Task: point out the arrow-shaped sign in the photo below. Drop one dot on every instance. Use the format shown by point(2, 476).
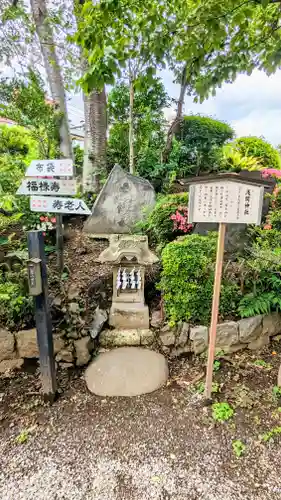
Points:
point(33, 186)
point(58, 205)
point(50, 168)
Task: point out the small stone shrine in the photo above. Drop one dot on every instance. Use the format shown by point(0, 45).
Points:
point(129, 256)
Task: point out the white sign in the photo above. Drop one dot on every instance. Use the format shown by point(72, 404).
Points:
point(57, 205)
point(225, 201)
point(30, 186)
point(50, 168)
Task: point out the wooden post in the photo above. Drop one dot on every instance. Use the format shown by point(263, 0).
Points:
point(43, 319)
point(59, 242)
point(215, 311)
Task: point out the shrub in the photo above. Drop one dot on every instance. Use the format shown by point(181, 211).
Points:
point(187, 280)
point(158, 225)
point(257, 147)
point(19, 143)
point(234, 160)
point(15, 305)
point(202, 138)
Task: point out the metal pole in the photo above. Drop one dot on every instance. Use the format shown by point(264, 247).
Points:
point(59, 241)
point(35, 241)
point(215, 311)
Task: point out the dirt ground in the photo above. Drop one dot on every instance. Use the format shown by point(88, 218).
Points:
point(163, 446)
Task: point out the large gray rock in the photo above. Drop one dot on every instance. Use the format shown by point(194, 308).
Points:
point(250, 329)
point(272, 324)
point(120, 204)
point(7, 344)
point(27, 343)
point(227, 335)
point(127, 371)
point(199, 337)
point(82, 350)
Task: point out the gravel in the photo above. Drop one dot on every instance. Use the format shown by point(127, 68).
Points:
point(160, 446)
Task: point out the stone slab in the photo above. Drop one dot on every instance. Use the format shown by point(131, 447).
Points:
point(119, 337)
point(127, 371)
point(7, 344)
point(129, 316)
point(120, 204)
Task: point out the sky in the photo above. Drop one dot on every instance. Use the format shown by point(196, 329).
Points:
point(251, 105)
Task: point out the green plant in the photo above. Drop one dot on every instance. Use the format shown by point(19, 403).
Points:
point(22, 437)
point(258, 148)
point(16, 306)
point(276, 391)
point(200, 387)
point(234, 160)
point(158, 224)
point(271, 434)
point(217, 365)
point(238, 448)
point(261, 271)
point(263, 364)
point(187, 280)
point(222, 412)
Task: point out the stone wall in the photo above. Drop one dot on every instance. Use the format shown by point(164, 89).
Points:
point(251, 333)
point(14, 348)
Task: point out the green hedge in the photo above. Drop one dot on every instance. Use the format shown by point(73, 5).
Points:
point(187, 280)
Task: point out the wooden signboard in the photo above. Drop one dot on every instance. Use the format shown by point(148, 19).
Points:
point(223, 201)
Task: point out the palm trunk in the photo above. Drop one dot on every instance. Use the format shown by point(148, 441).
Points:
point(51, 63)
point(95, 140)
point(98, 127)
point(131, 127)
point(174, 127)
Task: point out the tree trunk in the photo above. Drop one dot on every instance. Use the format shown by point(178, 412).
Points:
point(96, 140)
point(131, 127)
point(51, 63)
point(174, 127)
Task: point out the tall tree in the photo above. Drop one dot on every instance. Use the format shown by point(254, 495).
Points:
point(123, 42)
point(95, 130)
point(52, 67)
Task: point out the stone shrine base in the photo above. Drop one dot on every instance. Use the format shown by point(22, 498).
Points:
point(129, 315)
point(127, 371)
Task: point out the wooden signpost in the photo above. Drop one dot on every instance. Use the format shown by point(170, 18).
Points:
point(45, 182)
point(48, 182)
point(38, 288)
point(227, 199)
